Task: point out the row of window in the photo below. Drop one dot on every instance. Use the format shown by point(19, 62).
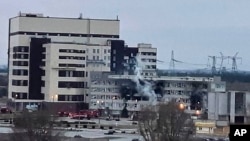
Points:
point(103, 82)
point(148, 53)
point(178, 92)
point(112, 90)
point(21, 49)
point(150, 66)
point(64, 34)
point(97, 65)
point(20, 82)
point(98, 58)
point(66, 73)
point(20, 63)
point(104, 51)
point(68, 84)
point(71, 97)
point(107, 97)
point(148, 60)
point(21, 72)
point(20, 56)
point(72, 65)
point(19, 95)
point(72, 57)
point(71, 50)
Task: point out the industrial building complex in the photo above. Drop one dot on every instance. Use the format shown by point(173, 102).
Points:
point(78, 63)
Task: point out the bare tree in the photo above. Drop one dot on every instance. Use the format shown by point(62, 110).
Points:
point(147, 123)
point(33, 126)
point(167, 122)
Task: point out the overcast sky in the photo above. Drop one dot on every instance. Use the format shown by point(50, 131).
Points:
point(194, 29)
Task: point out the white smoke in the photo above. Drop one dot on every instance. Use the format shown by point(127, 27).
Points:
point(145, 89)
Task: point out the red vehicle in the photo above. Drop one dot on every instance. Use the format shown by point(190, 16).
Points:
point(5, 110)
point(63, 114)
point(89, 113)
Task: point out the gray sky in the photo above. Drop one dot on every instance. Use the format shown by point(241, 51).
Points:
point(194, 29)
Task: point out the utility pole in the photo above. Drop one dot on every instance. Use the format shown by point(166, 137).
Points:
point(172, 64)
point(234, 61)
point(213, 64)
point(222, 59)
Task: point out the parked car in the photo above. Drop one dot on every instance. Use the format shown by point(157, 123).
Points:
point(110, 132)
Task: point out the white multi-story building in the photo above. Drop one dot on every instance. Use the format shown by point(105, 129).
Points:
point(148, 56)
point(50, 57)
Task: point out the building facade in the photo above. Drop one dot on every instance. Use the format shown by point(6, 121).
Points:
point(191, 92)
point(229, 107)
point(50, 58)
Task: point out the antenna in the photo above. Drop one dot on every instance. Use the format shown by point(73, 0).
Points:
point(234, 61)
point(80, 16)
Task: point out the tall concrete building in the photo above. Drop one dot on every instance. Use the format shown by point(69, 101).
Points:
point(50, 58)
point(232, 106)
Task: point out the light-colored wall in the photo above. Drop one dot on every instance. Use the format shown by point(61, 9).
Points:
point(59, 25)
point(65, 25)
point(52, 67)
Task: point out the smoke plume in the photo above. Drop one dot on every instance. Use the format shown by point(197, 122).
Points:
point(143, 87)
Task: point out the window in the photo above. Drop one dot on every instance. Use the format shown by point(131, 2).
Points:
point(97, 50)
point(97, 57)
point(21, 49)
point(20, 56)
point(105, 51)
point(20, 63)
point(69, 84)
point(93, 57)
point(20, 82)
point(104, 57)
point(21, 72)
point(93, 50)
